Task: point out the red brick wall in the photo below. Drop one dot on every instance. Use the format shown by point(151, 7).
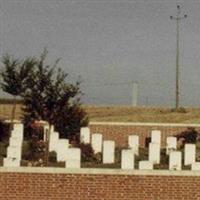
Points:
point(41, 186)
point(119, 133)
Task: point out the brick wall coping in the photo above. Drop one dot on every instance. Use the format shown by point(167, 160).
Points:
point(96, 171)
point(144, 124)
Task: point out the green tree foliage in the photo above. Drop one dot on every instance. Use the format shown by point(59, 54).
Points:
point(13, 77)
point(50, 98)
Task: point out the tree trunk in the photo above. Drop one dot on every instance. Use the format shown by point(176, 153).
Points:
point(13, 114)
point(47, 133)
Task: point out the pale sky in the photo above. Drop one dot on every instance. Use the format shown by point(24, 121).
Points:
point(110, 43)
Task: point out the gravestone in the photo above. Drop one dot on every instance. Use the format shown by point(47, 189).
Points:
point(127, 159)
point(73, 158)
point(171, 144)
point(11, 162)
point(54, 137)
point(154, 153)
point(195, 166)
point(175, 160)
point(17, 134)
point(15, 141)
point(85, 135)
point(189, 154)
point(133, 143)
point(97, 142)
point(108, 152)
point(19, 127)
point(145, 165)
point(62, 147)
point(156, 136)
point(14, 152)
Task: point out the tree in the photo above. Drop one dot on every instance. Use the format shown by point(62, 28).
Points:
point(50, 98)
point(13, 75)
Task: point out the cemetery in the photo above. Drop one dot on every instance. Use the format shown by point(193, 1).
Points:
point(109, 172)
point(97, 152)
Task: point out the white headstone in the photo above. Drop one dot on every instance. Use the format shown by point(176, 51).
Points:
point(171, 144)
point(175, 160)
point(127, 159)
point(196, 166)
point(17, 134)
point(154, 153)
point(73, 158)
point(156, 136)
point(14, 152)
point(145, 165)
point(54, 137)
point(85, 135)
point(18, 127)
point(97, 142)
point(108, 152)
point(133, 143)
point(15, 141)
point(11, 162)
point(189, 154)
point(62, 149)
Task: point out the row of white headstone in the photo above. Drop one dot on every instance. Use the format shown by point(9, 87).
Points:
point(154, 151)
point(175, 157)
point(14, 150)
point(107, 147)
point(71, 156)
point(65, 153)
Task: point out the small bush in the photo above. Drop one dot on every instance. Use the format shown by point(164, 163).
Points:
point(188, 136)
point(87, 153)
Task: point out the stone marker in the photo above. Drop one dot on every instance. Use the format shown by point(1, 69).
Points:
point(18, 127)
point(133, 143)
point(154, 153)
point(15, 141)
point(189, 154)
point(175, 160)
point(85, 135)
point(195, 166)
point(127, 159)
point(17, 134)
point(97, 142)
point(14, 152)
point(156, 136)
point(62, 149)
point(73, 158)
point(54, 137)
point(11, 162)
point(108, 152)
point(145, 165)
point(171, 144)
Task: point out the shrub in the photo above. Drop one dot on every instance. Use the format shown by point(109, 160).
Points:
point(188, 136)
point(87, 153)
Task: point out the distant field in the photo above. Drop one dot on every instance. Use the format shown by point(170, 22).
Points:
point(125, 114)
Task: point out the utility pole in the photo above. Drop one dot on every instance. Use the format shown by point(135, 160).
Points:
point(134, 94)
point(177, 18)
